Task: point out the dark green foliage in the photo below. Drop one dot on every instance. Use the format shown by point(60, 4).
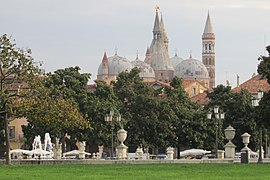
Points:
point(71, 84)
point(264, 66)
point(239, 113)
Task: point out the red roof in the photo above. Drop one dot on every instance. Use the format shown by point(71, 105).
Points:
point(253, 85)
point(200, 98)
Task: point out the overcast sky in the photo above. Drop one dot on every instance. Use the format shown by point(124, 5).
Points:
point(64, 33)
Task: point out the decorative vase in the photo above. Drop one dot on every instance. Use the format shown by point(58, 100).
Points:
point(121, 135)
point(229, 133)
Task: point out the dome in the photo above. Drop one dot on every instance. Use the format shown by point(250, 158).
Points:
point(176, 60)
point(190, 69)
point(146, 71)
point(117, 64)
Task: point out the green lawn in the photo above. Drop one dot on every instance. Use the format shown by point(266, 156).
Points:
point(136, 171)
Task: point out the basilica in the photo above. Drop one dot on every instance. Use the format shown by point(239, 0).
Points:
point(159, 67)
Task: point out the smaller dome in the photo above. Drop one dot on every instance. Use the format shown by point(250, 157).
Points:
point(190, 69)
point(146, 71)
point(176, 60)
point(116, 64)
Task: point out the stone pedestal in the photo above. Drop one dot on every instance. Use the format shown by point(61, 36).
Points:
point(220, 154)
point(122, 151)
point(139, 153)
point(229, 150)
point(246, 149)
point(170, 152)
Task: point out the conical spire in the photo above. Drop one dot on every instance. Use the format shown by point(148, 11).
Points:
point(105, 58)
point(147, 56)
point(161, 23)
point(147, 51)
point(156, 25)
point(208, 25)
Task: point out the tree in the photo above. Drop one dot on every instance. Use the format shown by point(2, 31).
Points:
point(190, 126)
point(46, 113)
point(70, 84)
point(239, 113)
point(16, 69)
point(99, 104)
point(264, 105)
point(264, 66)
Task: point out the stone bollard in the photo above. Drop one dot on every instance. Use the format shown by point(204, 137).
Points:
point(170, 152)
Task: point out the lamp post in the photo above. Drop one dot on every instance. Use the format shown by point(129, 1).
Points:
point(218, 116)
point(255, 102)
point(109, 118)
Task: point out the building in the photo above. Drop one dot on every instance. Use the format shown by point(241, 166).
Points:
point(158, 66)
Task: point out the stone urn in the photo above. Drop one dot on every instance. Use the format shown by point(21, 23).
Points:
point(229, 133)
point(245, 138)
point(121, 135)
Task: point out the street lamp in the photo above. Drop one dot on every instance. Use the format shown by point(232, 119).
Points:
point(255, 102)
point(218, 116)
point(109, 118)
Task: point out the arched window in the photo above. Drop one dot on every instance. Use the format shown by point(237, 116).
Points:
point(205, 47)
point(209, 47)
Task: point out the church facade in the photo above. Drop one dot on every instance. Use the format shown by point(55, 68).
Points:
point(158, 66)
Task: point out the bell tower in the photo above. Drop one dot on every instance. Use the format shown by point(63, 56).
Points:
point(208, 51)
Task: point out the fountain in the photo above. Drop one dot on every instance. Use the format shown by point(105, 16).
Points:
point(37, 152)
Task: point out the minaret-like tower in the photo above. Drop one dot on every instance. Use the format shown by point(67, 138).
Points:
point(160, 60)
point(208, 51)
point(104, 69)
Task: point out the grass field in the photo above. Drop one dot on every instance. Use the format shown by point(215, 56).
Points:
point(136, 171)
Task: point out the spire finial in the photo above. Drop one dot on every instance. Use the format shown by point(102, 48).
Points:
point(175, 52)
point(115, 51)
point(157, 8)
point(190, 56)
point(137, 55)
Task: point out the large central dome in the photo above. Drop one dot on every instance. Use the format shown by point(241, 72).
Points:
point(191, 69)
